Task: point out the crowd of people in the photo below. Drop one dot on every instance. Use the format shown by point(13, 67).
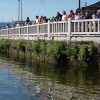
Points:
point(58, 17)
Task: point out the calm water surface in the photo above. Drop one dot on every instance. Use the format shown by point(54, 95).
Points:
point(35, 81)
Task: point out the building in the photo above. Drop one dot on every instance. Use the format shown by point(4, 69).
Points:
point(91, 8)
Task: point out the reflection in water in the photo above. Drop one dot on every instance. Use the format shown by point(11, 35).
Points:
point(56, 82)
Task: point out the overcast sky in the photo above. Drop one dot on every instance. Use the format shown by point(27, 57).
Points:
point(31, 8)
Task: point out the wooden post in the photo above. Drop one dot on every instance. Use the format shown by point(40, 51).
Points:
point(49, 29)
point(69, 29)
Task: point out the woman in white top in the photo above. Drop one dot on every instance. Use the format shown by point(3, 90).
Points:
point(94, 15)
point(36, 21)
point(64, 16)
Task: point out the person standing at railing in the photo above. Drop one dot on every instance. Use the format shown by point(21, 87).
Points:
point(41, 19)
point(82, 16)
point(26, 23)
point(53, 19)
point(71, 15)
point(98, 15)
point(17, 25)
point(94, 16)
point(77, 17)
point(87, 15)
point(64, 16)
point(36, 21)
point(45, 18)
point(58, 17)
point(7, 26)
point(14, 25)
point(27, 20)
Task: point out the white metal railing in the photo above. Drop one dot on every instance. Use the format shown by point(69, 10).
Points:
point(66, 29)
point(59, 28)
point(86, 27)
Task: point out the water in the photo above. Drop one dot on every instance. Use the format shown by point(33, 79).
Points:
point(35, 81)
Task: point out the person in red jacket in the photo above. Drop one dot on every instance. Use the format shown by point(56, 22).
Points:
point(71, 15)
point(41, 19)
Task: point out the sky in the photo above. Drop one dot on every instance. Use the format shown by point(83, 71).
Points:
point(31, 8)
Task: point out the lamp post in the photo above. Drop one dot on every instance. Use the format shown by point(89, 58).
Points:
point(79, 4)
point(18, 10)
point(20, 13)
point(85, 4)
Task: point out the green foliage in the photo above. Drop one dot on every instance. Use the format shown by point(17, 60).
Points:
point(82, 53)
point(49, 49)
point(35, 46)
point(42, 47)
point(29, 46)
point(54, 49)
point(67, 52)
point(57, 49)
point(19, 44)
point(91, 49)
point(4, 44)
point(74, 51)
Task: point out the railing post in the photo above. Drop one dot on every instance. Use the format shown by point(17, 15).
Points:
point(7, 33)
point(69, 29)
point(49, 29)
point(13, 33)
point(38, 30)
point(27, 32)
point(19, 32)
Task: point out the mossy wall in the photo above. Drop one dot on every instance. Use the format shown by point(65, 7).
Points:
point(49, 51)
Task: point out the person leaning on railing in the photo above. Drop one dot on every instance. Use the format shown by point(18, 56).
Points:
point(82, 16)
point(76, 16)
point(98, 14)
point(7, 26)
point(45, 20)
point(64, 16)
point(27, 20)
point(58, 17)
point(41, 19)
point(36, 21)
point(94, 16)
point(87, 15)
point(71, 15)
point(53, 19)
